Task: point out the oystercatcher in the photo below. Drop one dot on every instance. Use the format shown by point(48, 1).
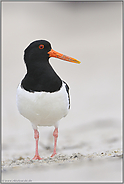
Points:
point(42, 97)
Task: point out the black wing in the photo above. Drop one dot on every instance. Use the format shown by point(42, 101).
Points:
point(67, 89)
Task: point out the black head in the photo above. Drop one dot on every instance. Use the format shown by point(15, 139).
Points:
point(37, 51)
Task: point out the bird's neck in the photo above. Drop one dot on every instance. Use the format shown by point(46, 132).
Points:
point(41, 77)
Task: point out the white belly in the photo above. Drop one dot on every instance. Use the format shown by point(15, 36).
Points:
point(43, 108)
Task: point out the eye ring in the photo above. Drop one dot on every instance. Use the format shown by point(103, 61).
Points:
point(41, 46)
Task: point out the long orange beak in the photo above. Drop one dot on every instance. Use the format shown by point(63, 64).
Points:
point(55, 54)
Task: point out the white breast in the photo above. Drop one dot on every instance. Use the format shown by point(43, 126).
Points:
point(43, 108)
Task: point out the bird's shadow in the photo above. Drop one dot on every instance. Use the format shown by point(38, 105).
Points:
point(50, 148)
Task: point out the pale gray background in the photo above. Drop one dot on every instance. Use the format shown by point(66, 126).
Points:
point(88, 31)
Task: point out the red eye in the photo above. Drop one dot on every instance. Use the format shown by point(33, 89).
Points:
point(41, 46)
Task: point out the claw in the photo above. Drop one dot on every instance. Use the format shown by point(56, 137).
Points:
point(53, 154)
point(37, 157)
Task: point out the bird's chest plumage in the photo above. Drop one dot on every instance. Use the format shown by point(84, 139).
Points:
point(43, 108)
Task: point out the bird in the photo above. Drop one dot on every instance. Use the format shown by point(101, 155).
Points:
point(42, 96)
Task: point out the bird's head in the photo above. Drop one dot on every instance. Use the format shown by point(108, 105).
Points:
point(37, 50)
point(41, 51)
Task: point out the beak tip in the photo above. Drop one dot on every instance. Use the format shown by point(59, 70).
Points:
point(77, 62)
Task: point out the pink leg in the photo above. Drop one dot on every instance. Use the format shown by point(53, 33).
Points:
point(55, 134)
point(36, 136)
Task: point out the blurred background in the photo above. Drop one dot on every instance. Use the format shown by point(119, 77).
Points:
point(88, 31)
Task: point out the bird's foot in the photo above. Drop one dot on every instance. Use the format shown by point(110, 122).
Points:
point(54, 153)
point(37, 157)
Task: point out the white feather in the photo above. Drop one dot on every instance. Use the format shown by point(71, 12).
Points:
point(43, 108)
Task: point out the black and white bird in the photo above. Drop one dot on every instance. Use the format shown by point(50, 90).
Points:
point(42, 97)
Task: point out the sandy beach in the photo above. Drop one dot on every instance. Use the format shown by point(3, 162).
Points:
point(104, 167)
point(95, 155)
point(89, 147)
